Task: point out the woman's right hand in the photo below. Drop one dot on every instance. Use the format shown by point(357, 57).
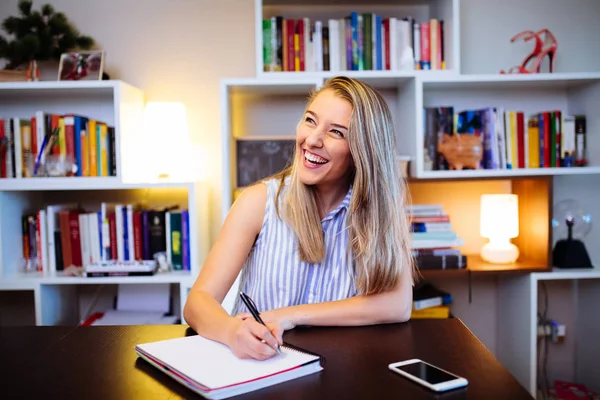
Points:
point(249, 339)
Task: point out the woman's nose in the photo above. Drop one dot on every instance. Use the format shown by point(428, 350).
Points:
point(315, 138)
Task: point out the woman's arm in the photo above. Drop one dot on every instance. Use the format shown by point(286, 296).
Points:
point(391, 306)
point(203, 310)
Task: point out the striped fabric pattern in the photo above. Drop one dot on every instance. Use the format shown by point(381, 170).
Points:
point(274, 277)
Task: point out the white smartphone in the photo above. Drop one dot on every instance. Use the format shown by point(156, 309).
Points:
point(428, 375)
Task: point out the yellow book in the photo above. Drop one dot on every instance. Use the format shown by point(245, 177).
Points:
point(103, 160)
point(438, 312)
point(92, 147)
point(296, 51)
point(62, 138)
point(514, 139)
point(533, 134)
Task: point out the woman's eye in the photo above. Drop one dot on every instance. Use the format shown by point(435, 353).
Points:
point(339, 133)
point(310, 120)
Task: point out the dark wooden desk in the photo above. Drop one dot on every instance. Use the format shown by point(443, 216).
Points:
point(100, 363)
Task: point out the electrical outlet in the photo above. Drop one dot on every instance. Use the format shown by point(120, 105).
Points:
point(544, 330)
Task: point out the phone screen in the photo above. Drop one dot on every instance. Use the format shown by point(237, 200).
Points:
point(426, 372)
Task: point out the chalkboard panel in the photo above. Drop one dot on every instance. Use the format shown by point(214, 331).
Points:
point(257, 159)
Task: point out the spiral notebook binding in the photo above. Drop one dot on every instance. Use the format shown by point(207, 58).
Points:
point(295, 348)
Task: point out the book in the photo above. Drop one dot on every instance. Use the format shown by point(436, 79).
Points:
point(210, 368)
point(427, 295)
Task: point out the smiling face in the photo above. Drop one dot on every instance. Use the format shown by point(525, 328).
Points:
point(322, 141)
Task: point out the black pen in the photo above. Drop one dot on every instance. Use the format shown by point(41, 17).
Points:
point(254, 311)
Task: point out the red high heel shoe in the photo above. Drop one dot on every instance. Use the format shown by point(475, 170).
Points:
point(549, 49)
point(526, 36)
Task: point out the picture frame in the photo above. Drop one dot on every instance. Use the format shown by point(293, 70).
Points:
point(81, 65)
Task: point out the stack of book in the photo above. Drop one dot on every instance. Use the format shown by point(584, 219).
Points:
point(430, 302)
point(433, 239)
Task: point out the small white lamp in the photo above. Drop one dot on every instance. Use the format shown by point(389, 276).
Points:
point(499, 223)
point(167, 133)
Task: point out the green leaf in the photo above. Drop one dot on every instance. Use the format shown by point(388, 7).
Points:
point(47, 10)
point(67, 43)
point(58, 24)
point(30, 45)
point(36, 21)
point(3, 46)
point(85, 42)
point(11, 25)
point(25, 7)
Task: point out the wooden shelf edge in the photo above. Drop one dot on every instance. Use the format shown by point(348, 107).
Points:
point(476, 265)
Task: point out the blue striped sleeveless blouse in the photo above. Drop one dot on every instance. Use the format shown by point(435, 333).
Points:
point(274, 277)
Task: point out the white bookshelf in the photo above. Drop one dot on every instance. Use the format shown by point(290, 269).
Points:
point(56, 295)
point(270, 104)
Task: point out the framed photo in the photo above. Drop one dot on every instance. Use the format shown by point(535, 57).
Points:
point(81, 65)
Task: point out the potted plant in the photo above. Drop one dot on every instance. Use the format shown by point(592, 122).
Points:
point(36, 36)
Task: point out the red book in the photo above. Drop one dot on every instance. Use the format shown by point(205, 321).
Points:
point(425, 49)
point(112, 227)
point(291, 52)
point(34, 140)
point(441, 218)
point(558, 122)
point(301, 29)
point(520, 140)
point(74, 236)
point(65, 238)
point(2, 157)
point(137, 235)
point(547, 141)
point(386, 30)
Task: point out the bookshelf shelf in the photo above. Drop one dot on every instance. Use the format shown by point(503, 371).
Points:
point(79, 183)
point(552, 81)
point(507, 173)
point(30, 280)
point(82, 86)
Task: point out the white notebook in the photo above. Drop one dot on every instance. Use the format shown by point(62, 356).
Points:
point(212, 370)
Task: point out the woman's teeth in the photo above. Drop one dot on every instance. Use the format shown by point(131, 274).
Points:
point(315, 159)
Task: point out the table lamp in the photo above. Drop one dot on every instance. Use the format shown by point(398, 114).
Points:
point(499, 223)
point(167, 133)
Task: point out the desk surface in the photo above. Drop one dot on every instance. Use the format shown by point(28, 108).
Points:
point(100, 363)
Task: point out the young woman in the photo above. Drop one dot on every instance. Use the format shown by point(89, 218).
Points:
point(325, 242)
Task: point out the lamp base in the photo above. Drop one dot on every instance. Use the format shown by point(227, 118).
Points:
point(500, 253)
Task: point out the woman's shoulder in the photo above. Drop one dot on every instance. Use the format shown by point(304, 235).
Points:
point(252, 197)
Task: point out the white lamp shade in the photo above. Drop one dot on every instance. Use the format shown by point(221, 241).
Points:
point(167, 133)
point(499, 216)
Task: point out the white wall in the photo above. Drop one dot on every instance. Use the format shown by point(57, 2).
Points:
point(174, 50)
point(487, 27)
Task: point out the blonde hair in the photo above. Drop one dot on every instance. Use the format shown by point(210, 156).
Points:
point(377, 222)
